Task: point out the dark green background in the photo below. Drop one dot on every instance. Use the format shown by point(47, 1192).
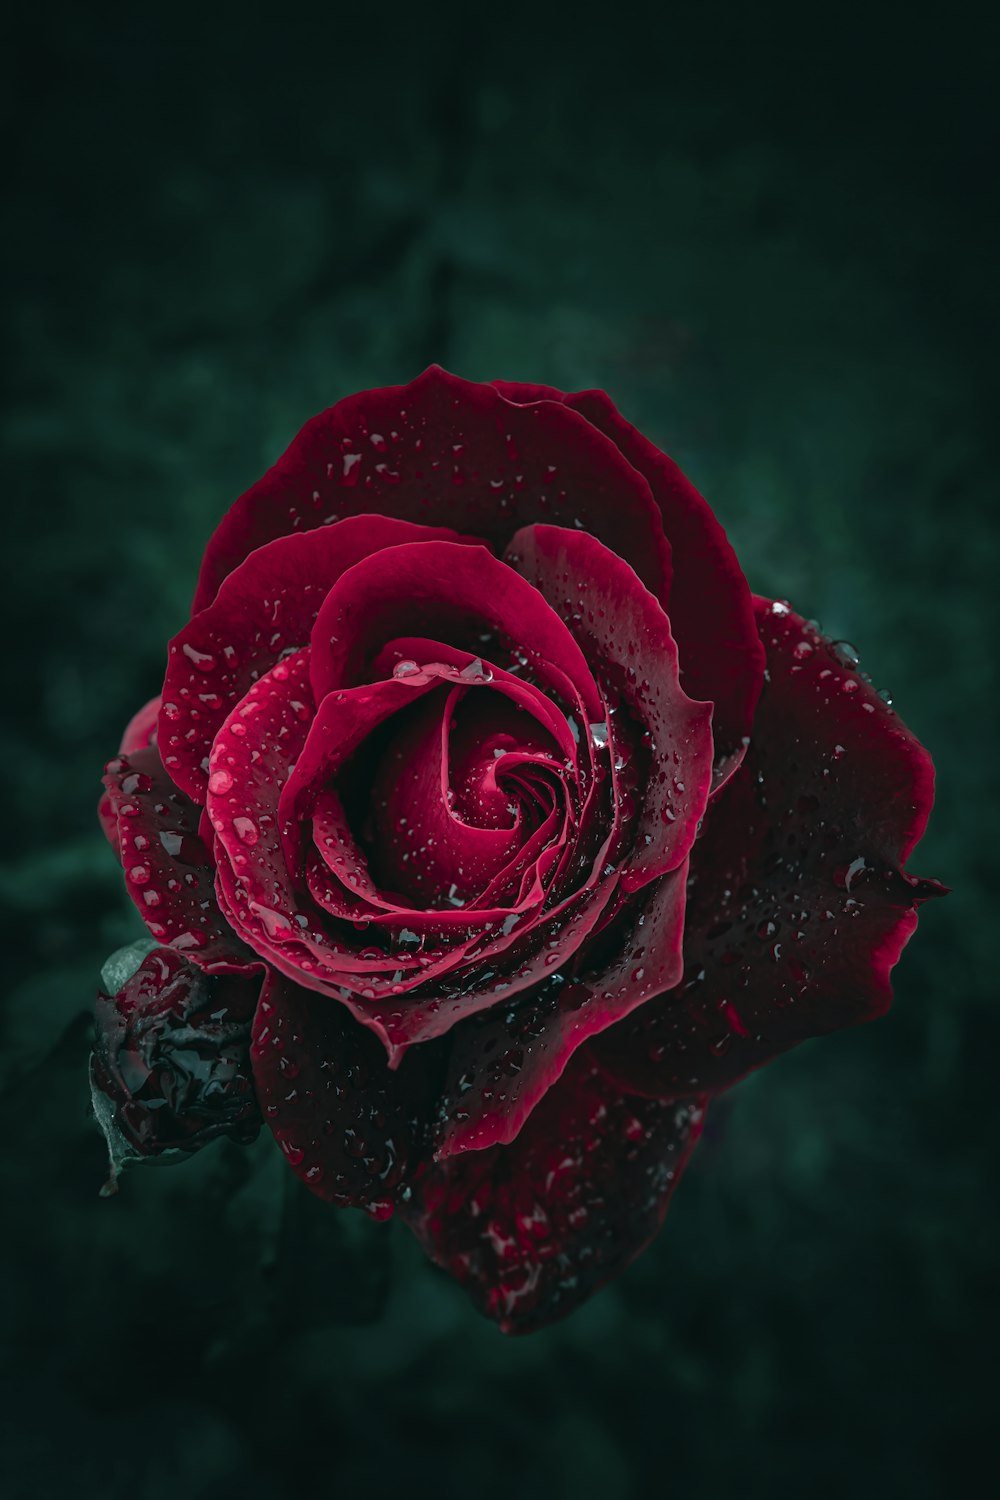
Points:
point(775, 248)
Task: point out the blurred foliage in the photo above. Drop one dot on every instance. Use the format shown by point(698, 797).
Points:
point(776, 251)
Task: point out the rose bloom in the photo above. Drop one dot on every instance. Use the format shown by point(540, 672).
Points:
point(529, 825)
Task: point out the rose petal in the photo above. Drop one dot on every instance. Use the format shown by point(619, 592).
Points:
point(347, 1126)
point(264, 609)
point(446, 452)
point(798, 907)
point(502, 1062)
point(530, 1230)
point(626, 638)
point(140, 730)
point(709, 604)
point(169, 873)
point(439, 589)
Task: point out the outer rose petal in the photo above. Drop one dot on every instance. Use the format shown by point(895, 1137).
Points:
point(140, 731)
point(532, 1229)
point(503, 1062)
point(168, 871)
point(346, 1125)
point(798, 907)
point(447, 452)
point(710, 608)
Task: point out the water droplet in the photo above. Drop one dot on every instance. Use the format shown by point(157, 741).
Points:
point(203, 660)
point(476, 672)
point(845, 653)
point(220, 782)
point(246, 829)
point(405, 669)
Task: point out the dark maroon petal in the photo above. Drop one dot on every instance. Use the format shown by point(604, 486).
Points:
point(171, 1056)
point(347, 1126)
point(263, 611)
point(503, 1062)
point(626, 639)
point(450, 592)
point(799, 906)
point(168, 871)
point(447, 452)
point(710, 608)
point(530, 1230)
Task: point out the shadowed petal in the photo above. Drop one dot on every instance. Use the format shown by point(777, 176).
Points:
point(530, 1230)
point(799, 905)
point(346, 1124)
point(709, 603)
point(447, 452)
point(503, 1062)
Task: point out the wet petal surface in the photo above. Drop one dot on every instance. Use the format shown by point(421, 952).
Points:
point(169, 872)
point(799, 903)
point(346, 1125)
point(443, 451)
point(264, 610)
point(709, 602)
point(530, 1230)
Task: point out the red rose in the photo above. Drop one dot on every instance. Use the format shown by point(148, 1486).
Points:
point(461, 749)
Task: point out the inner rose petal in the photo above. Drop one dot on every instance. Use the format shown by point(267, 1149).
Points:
point(263, 611)
point(446, 819)
point(445, 590)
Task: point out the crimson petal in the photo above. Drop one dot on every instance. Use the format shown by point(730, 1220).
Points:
point(347, 1126)
point(532, 1229)
point(710, 606)
point(140, 731)
point(438, 589)
point(446, 452)
point(799, 904)
point(264, 610)
point(503, 1062)
point(169, 873)
point(626, 638)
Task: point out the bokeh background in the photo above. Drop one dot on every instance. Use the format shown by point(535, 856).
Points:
point(776, 248)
